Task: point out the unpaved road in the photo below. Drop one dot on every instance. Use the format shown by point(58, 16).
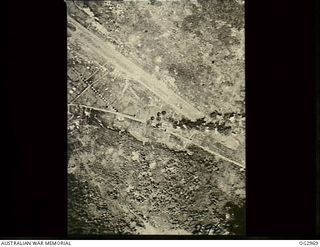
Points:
point(107, 51)
point(190, 141)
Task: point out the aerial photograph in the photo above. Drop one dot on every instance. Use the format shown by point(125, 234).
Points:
point(156, 117)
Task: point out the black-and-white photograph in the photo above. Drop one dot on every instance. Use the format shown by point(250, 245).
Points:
point(156, 117)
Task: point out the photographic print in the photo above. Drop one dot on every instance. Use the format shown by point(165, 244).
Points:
point(156, 117)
